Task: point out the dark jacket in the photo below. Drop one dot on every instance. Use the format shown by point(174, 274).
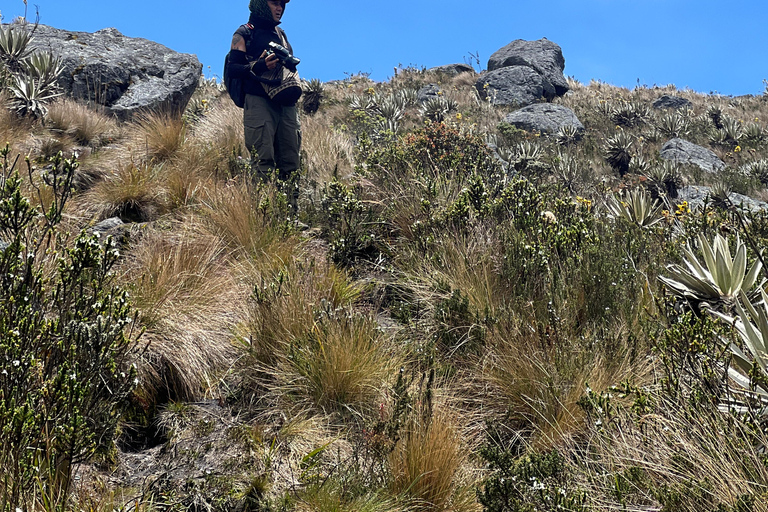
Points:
point(256, 41)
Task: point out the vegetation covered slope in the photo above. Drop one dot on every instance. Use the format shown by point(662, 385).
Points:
point(440, 326)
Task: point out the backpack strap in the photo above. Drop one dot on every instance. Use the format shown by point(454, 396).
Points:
point(247, 30)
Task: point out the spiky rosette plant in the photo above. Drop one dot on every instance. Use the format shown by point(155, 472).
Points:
point(665, 179)
point(618, 152)
point(14, 47)
point(717, 279)
point(673, 125)
point(750, 374)
point(567, 134)
point(638, 207)
point(438, 108)
point(313, 94)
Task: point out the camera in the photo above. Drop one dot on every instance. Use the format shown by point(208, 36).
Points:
point(283, 55)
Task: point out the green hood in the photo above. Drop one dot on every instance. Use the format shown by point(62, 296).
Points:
point(260, 9)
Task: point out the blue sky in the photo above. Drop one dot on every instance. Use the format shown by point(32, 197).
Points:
point(704, 45)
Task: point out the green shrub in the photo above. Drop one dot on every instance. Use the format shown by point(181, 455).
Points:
point(66, 373)
point(530, 483)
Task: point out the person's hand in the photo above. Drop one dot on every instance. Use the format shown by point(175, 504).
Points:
point(271, 60)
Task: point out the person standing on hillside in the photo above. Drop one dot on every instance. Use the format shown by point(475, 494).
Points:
point(272, 130)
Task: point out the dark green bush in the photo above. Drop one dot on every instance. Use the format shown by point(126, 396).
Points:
point(530, 483)
point(66, 373)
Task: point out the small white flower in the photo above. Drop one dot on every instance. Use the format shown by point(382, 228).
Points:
point(16, 362)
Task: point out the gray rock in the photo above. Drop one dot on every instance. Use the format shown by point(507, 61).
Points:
point(543, 56)
point(428, 92)
point(684, 152)
point(544, 118)
point(3, 245)
point(517, 86)
point(675, 102)
point(127, 75)
point(696, 195)
point(108, 225)
point(453, 69)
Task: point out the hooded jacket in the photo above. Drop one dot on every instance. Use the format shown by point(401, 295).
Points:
point(257, 40)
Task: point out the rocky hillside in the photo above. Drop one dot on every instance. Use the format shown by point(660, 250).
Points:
point(501, 291)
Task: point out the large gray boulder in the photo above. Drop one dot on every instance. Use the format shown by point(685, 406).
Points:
point(543, 56)
point(544, 118)
point(514, 86)
point(125, 74)
point(684, 152)
point(696, 195)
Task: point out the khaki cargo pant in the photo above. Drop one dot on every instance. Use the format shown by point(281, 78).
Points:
point(273, 136)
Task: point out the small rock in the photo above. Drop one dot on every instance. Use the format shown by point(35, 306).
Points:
point(108, 225)
point(695, 195)
point(452, 69)
point(674, 102)
point(428, 92)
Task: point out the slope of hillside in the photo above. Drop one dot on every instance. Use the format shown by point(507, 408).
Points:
point(462, 315)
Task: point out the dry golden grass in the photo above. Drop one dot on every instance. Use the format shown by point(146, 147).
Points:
point(188, 300)
point(708, 454)
point(426, 465)
point(308, 348)
point(344, 363)
point(84, 125)
point(13, 130)
point(328, 151)
point(250, 219)
point(157, 136)
point(539, 386)
point(221, 129)
point(131, 192)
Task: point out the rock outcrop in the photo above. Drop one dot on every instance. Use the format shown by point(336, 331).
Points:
point(696, 195)
point(127, 75)
point(524, 72)
point(684, 152)
point(453, 69)
point(543, 56)
point(516, 86)
point(673, 102)
point(544, 118)
point(428, 92)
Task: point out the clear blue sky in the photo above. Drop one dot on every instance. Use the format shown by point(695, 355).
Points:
point(705, 45)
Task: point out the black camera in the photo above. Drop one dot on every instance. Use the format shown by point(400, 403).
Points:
point(283, 55)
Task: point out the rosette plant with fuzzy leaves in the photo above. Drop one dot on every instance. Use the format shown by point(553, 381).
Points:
point(719, 278)
point(637, 207)
point(750, 374)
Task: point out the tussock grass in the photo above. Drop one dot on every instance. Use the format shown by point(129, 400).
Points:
point(158, 136)
point(132, 192)
point(250, 219)
point(425, 465)
point(328, 151)
point(306, 346)
point(221, 130)
point(187, 299)
point(695, 458)
point(13, 130)
point(85, 126)
point(538, 385)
